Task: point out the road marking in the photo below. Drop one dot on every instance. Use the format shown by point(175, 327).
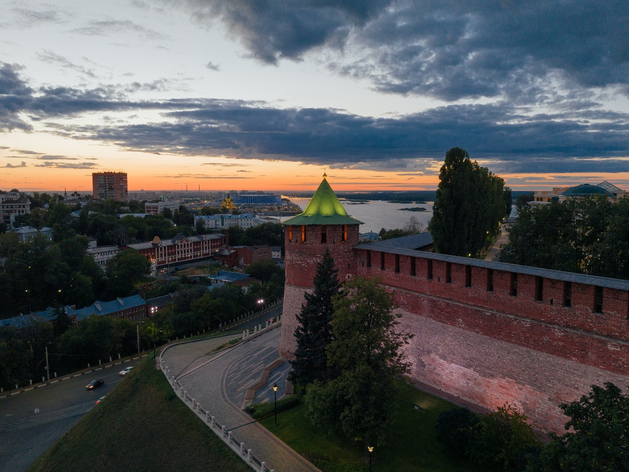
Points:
point(27, 389)
point(65, 378)
point(100, 368)
point(54, 381)
point(77, 375)
point(15, 393)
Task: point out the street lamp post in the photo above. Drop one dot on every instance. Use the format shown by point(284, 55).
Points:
point(220, 323)
point(275, 393)
point(138, 331)
point(370, 449)
point(47, 365)
point(260, 302)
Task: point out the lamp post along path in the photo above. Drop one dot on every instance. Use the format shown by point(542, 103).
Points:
point(260, 303)
point(275, 393)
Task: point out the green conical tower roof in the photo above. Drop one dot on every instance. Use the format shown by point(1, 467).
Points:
point(324, 209)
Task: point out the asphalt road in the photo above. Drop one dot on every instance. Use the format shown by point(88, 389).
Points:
point(33, 420)
point(219, 382)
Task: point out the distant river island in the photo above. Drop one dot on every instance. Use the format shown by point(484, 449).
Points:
point(413, 209)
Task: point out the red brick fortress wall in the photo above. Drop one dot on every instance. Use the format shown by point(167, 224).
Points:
point(492, 333)
point(489, 372)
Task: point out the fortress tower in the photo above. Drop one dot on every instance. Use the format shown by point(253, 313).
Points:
point(486, 332)
point(323, 225)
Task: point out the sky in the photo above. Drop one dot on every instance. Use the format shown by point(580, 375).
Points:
point(270, 94)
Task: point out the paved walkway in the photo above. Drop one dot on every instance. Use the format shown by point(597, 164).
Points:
point(219, 382)
point(503, 238)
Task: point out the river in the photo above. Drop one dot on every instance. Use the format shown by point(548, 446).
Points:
point(378, 214)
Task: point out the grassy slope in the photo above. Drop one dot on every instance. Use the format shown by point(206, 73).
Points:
point(140, 426)
point(410, 447)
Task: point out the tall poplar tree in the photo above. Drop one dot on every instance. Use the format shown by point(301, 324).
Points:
point(314, 332)
point(469, 206)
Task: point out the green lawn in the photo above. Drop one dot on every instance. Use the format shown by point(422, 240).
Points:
point(140, 426)
point(411, 445)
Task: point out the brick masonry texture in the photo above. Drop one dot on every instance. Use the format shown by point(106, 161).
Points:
point(487, 336)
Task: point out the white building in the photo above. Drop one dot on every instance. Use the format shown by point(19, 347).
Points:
point(155, 208)
point(13, 204)
point(102, 254)
point(219, 222)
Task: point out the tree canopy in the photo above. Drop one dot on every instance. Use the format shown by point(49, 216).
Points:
point(585, 235)
point(366, 354)
point(470, 204)
point(598, 439)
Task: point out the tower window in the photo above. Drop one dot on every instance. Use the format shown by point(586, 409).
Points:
point(324, 235)
point(397, 263)
point(290, 234)
point(368, 258)
point(468, 276)
point(344, 233)
point(448, 272)
point(490, 280)
point(303, 234)
point(413, 273)
point(429, 269)
point(382, 261)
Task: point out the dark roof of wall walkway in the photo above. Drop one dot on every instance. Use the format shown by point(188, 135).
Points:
point(617, 284)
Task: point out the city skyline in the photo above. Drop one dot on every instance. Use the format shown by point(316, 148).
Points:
point(246, 95)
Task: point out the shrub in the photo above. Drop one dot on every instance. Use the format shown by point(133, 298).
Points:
point(500, 439)
point(261, 410)
point(454, 430)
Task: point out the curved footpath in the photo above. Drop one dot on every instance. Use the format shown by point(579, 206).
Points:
point(218, 382)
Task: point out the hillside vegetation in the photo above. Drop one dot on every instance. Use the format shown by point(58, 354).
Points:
point(140, 426)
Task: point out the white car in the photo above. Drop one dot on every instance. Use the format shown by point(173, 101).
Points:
point(126, 370)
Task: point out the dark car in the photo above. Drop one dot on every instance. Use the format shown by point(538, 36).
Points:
point(94, 384)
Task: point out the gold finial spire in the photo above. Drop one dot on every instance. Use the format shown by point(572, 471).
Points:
point(324, 174)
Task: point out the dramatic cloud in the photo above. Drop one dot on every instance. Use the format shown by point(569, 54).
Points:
point(275, 29)
point(505, 137)
point(451, 50)
point(23, 164)
point(497, 134)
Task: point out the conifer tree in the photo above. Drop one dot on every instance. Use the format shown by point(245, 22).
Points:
point(314, 332)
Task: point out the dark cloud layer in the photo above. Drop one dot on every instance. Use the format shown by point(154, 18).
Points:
point(274, 29)
point(447, 49)
point(506, 137)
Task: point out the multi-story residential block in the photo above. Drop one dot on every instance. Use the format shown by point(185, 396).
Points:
point(219, 222)
point(110, 185)
point(13, 204)
point(155, 208)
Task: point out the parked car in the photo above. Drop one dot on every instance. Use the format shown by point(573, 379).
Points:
point(95, 384)
point(100, 399)
point(126, 370)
